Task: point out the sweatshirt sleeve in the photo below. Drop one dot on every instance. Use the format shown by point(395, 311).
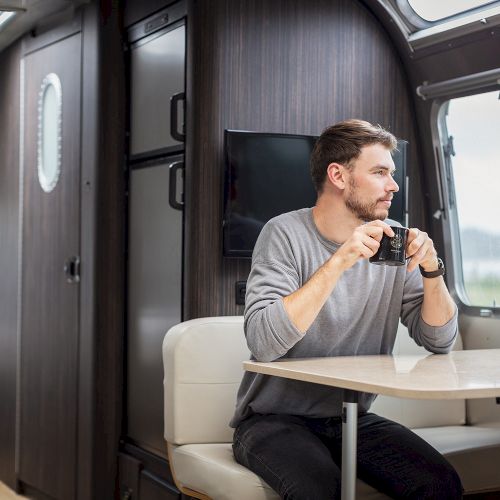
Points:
point(268, 329)
point(436, 339)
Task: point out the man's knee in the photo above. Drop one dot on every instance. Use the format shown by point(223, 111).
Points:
point(291, 459)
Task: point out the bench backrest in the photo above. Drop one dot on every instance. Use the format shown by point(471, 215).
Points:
point(202, 360)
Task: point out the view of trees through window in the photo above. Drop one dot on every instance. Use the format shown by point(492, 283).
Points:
point(474, 124)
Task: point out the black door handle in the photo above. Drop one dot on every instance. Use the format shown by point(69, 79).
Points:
point(178, 136)
point(172, 185)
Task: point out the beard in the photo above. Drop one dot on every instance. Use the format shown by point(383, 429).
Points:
point(365, 211)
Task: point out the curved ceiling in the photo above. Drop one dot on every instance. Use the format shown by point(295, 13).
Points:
point(32, 15)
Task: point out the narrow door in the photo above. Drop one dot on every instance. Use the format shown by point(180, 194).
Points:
point(155, 292)
point(50, 249)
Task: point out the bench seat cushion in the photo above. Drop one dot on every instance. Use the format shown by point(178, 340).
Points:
point(474, 451)
point(211, 468)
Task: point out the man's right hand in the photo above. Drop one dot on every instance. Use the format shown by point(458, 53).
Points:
point(362, 244)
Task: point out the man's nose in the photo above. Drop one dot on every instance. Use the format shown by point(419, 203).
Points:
point(393, 185)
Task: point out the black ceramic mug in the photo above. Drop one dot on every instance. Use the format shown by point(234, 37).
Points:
point(392, 250)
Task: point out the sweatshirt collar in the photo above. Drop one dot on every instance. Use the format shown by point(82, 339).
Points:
point(331, 245)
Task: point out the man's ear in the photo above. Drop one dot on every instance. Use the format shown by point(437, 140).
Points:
point(336, 174)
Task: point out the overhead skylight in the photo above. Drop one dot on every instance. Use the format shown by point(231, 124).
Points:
point(430, 10)
point(5, 16)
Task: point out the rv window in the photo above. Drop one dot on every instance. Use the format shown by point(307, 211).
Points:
point(430, 10)
point(472, 154)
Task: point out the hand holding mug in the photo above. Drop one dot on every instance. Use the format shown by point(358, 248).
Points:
point(420, 250)
point(363, 243)
point(392, 248)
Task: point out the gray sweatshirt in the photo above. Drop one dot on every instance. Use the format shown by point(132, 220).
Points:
point(360, 317)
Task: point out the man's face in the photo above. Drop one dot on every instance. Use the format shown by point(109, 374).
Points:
point(370, 185)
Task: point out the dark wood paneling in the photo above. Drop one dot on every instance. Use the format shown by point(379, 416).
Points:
point(109, 290)
point(102, 250)
point(88, 189)
point(49, 318)
point(9, 239)
point(291, 66)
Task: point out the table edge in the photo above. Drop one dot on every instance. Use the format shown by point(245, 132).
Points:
point(409, 393)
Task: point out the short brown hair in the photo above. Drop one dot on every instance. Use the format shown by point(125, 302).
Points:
point(342, 143)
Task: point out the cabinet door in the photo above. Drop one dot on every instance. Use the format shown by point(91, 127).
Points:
point(157, 74)
point(154, 297)
point(50, 236)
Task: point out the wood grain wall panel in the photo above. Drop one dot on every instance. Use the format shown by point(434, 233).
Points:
point(109, 261)
point(291, 66)
point(9, 238)
point(102, 252)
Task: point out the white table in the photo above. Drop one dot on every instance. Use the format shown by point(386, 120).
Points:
point(458, 375)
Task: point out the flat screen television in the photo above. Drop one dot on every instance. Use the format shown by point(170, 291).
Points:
point(267, 174)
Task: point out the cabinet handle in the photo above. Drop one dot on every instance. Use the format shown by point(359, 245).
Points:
point(172, 188)
point(178, 136)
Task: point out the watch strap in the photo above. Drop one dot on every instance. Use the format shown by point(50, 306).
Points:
point(433, 274)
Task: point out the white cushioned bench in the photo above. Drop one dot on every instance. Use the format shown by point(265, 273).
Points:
point(203, 368)
point(474, 450)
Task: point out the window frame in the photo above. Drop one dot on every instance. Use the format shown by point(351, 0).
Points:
point(421, 34)
point(448, 213)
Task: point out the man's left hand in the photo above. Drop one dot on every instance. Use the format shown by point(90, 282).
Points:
point(421, 250)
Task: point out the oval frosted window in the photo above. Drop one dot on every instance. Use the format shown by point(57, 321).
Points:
point(49, 132)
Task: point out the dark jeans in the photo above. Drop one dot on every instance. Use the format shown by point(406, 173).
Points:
point(300, 457)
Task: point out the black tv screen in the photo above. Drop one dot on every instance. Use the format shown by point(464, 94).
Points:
point(266, 175)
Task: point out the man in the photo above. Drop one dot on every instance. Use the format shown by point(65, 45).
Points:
point(312, 292)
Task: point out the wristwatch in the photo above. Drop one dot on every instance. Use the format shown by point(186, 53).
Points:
point(433, 274)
